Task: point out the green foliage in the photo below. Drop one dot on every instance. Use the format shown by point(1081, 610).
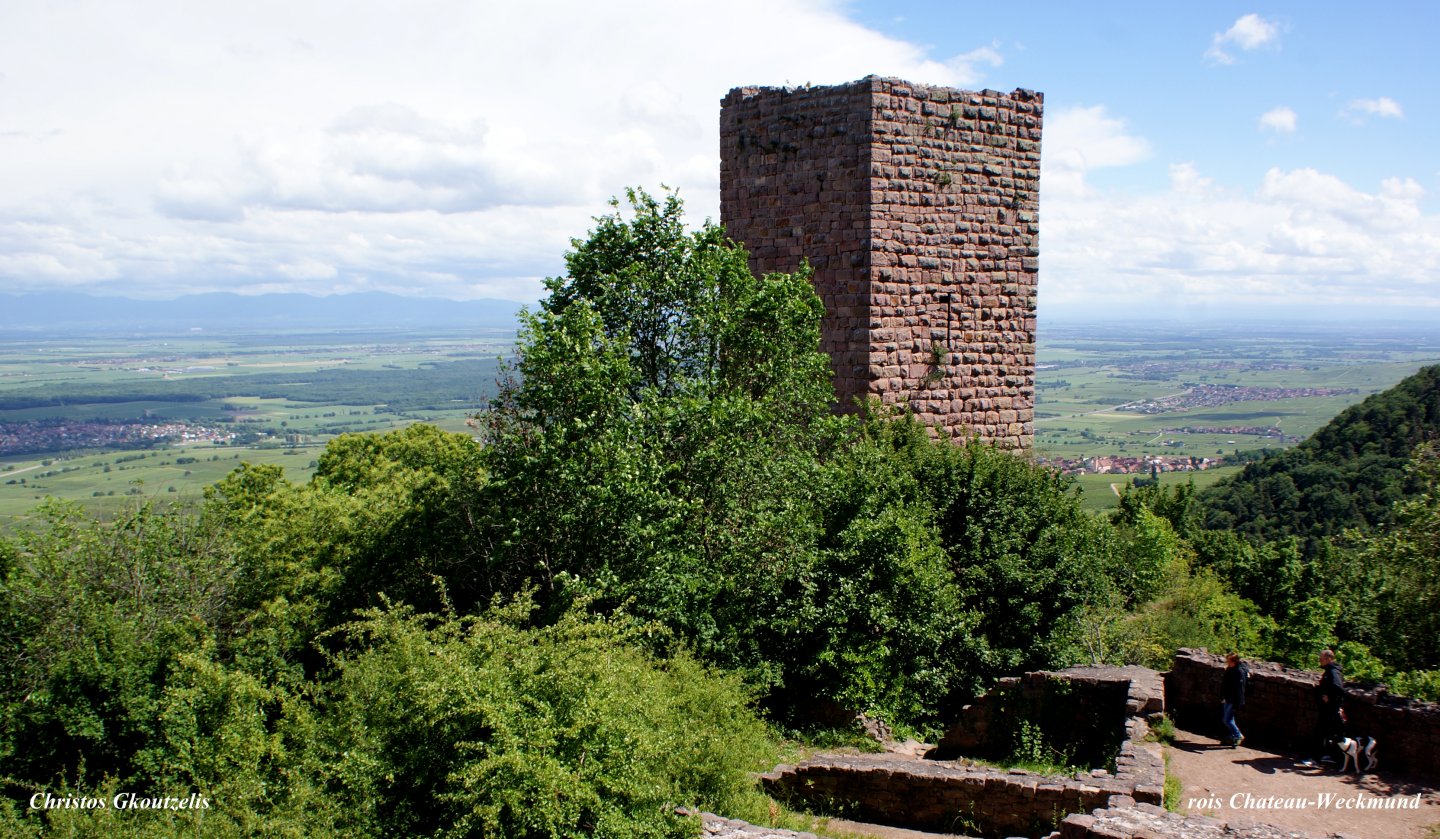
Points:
point(688, 312)
point(1194, 610)
point(666, 414)
point(479, 727)
point(667, 446)
point(1033, 752)
point(889, 631)
point(1274, 574)
point(1174, 790)
point(1162, 730)
point(128, 668)
point(1308, 628)
point(1400, 574)
point(115, 635)
point(1348, 474)
point(662, 477)
point(1025, 554)
point(391, 514)
point(1418, 684)
point(1361, 666)
point(92, 613)
point(1148, 553)
point(1175, 504)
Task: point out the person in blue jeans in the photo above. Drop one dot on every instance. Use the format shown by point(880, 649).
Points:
point(1232, 691)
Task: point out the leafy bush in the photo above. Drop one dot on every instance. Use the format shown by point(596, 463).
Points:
point(1417, 684)
point(479, 727)
point(1361, 666)
point(92, 614)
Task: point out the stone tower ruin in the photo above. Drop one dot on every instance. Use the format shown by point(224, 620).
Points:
point(917, 208)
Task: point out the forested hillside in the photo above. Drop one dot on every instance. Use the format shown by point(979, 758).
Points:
point(1348, 474)
point(665, 548)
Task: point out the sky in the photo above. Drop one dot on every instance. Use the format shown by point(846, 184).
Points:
point(1200, 160)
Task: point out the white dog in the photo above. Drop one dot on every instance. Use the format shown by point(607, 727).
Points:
point(1359, 751)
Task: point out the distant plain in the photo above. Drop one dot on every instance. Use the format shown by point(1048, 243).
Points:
point(288, 392)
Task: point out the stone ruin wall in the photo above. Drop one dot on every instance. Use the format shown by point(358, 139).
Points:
point(945, 794)
point(918, 208)
point(939, 794)
point(1085, 711)
point(1281, 712)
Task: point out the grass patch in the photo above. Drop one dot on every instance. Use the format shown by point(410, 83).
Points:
point(1173, 788)
point(767, 812)
point(806, 743)
point(1162, 730)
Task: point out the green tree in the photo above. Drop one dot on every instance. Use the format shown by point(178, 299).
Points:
point(92, 613)
point(667, 412)
point(687, 311)
point(399, 514)
point(1401, 571)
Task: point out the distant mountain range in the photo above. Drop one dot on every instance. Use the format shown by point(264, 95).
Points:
point(52, 311)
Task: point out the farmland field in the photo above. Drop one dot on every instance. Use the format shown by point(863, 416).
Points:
point(1174, 393)
point(110, 420)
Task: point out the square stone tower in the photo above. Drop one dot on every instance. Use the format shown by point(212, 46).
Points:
point(917, 206)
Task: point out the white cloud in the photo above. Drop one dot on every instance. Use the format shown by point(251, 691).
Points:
point(452, 148)
point(1249, 32)
point(1360, 109)
point(1300, 235)
point(1185, 179)
point(1281, 120)
point(1081, 139)
point(965, 66)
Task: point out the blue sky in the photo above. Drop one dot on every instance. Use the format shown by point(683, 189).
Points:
point(1147, 63)
point(1201, 160)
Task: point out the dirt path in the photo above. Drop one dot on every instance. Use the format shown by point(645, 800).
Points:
point(1248, 784)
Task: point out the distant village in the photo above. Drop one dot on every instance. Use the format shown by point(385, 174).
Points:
point(1127, 465)
point(51, 436)
point(1214, 396)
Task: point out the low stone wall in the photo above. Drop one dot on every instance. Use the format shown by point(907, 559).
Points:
point(1280, 712)
point(718, 827)
point(942, 797)
point(1081, 711)
point(1146, 821)
point(1095, 713)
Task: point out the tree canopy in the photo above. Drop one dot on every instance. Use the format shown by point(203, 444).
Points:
point(573, 623)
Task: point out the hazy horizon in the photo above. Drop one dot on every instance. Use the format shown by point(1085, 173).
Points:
point(1212, 158)
point(30, 310)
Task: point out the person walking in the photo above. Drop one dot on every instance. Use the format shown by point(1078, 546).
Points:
point(1232, 691)
point(1329, 694)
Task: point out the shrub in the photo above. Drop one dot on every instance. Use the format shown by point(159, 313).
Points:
point(479, 727)
point(1417, 684)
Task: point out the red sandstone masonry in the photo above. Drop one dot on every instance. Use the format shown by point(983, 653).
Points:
point(1280, 711)
point(1147, 821)
point(1090, 709)
point(945, 796)
point(918, 208)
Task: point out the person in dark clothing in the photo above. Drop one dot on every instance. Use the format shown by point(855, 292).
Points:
point(1232, 691)
point(1329, 694)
